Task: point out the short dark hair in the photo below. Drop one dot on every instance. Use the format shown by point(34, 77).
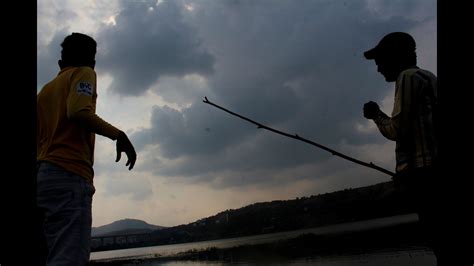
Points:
point(78, 49)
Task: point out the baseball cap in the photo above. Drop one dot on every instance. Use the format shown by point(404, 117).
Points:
point(392, 43)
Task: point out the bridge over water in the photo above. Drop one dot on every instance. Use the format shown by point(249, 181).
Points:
point(119, 241)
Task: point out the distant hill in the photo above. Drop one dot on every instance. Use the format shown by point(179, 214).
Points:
point(125, 227)
point(348, 205)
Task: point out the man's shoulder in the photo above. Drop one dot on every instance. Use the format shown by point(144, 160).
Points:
point(415, 70)
point(83, 72)
point(418, 74)
point(426, 73)
point(75, 70)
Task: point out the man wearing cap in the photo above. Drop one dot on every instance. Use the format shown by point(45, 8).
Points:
point(412, 125)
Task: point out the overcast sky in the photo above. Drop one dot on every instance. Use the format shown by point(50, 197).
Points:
point(297, 66)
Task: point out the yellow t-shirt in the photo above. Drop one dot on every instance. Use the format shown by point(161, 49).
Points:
point(60, 139)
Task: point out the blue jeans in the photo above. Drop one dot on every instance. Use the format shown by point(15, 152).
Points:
point(65, 201)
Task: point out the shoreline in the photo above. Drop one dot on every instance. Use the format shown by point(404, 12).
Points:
point(307, 245)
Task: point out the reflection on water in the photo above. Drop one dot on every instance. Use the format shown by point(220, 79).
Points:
point(419, 257)
point(416, 256)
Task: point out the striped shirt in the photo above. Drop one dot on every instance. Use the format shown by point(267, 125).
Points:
point(412, 121)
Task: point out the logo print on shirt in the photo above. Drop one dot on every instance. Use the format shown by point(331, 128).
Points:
point(84, 88)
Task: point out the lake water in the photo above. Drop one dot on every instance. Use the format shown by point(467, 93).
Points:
point(407, 256)
point(415, 257)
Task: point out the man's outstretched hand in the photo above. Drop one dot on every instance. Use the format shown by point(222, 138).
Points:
point(124, 145)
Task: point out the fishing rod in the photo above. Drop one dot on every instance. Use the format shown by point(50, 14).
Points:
point(297, 137)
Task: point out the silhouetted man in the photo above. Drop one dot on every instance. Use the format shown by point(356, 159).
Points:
point(66, 128)
point(413, 126)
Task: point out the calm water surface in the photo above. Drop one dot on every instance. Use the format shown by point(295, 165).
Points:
point(415, 256)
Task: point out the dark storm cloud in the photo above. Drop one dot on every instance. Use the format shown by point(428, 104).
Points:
point(150, 41)
point(296, 66)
